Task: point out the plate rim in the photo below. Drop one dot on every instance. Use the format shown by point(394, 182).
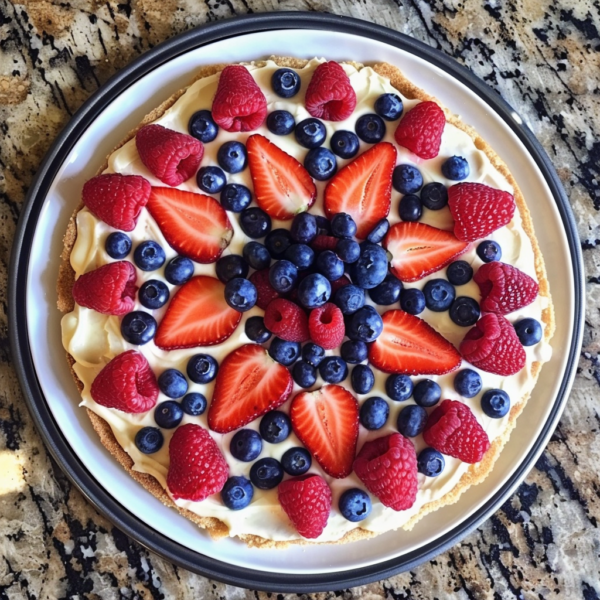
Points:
point(22, 360)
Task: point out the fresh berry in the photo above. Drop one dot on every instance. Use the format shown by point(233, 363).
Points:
point(329, 94)
point(310, 133)
point(489, 250)
point(300, 255)
point(194, 404)
point(333, 369)
point(460, 272)
point(281, 122)
point(240, 294)
point(149, 256)
point(427, 393)
point(343, 225)
point(285, 83)
point(411, 420)
point(326, 326)
point(202, 368)
point(452, 429)
point(370, 128)
point(412, 301)
point(296, 461)
point(348, 250)
point(287, 321)
point(283, 276)
point(211, 180)
point(232, 157)
point(231, 266)
point(197, 315)
point(455, 168)
point(153, 294)
point(421, 128)
point(202, 126)
point(430, 462)
point(170, 156)
point(149, 440)
point(407, 179)
point(314, 290)
point(277, 242)
point(138, 327)
point(264, 289)
point(467, 383)
point(179, 270)
point(304, 228)
point(323, 225)
point(464, 311)
point(284, 352)
point(235, 197)
point(362, 379)
point(345, 144)
point(246, 445)
point(434, 196)
point(349, 299)
point(371, 267)
point(387, 292)
point(410, 208)
point(410, 346)
point(126, 383)
point(256, 255)
point(275, 427)
point(239, 104)
point(172, 383)
point(389, 106)
point(329, 265)
point(439, 295)
point(304, 374)
point(399, 387)
point(168, 414)
point(117, 245)
point(255, 222)
point(313, 354)
point(354, 351)
point(374, 413)
point(326, 422)
point(478, 210)
point(379, 231)
point(355, 505)
point(529, 331)
point(237, 493)
point(256, 331)
point(321, 164)
point(365, 325)
point(495, 403)
point(337, 284)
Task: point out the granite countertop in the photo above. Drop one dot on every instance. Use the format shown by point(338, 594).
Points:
point(543, 57)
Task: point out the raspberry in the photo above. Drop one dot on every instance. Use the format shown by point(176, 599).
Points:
point(326, 326)
point(197, 468)
point(323, 242)
point(478, 210)
point(109, 289)
point(504, 288)
point(287, 321)
point(126, 383)
point(265, 292)
point(452, 429)
point(493, 346)
point(117, 199)
point(170, 156)
point(339, 283)
point(306, 500)
point(421, 129)
point(388, 468)
point(329, 94)
point(239, 104)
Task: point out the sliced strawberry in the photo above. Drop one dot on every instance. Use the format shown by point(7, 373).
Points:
point(197, 316)
point(249, 384)
point(326, 421)
point(282, 186)
point(194, 224)
point(418, 250)
point(363, 188)
point(410, 346)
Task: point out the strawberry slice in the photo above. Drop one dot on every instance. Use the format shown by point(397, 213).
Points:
point(194, 224)
point(249, 384)
point(282, 186)
point(418, 250)
point(410, 346)
point(197, 316)
point(363, 188)
point(326, 421)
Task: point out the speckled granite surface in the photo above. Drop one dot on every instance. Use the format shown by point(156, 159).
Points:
point(544, 58)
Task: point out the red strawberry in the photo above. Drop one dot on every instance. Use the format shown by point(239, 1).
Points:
point(239, 104)
point(265, 292)
point(418, 250)
point(197, 468)
point(504, 288)
point(306, 500)
point(493, 346)
point(363, 188)
point(323, 242)
point(388, 468)
point(329, 94)
point(282, 186)
point(326, 421)
point(326, 326)
point(197, 316)
point(194, 224)
point(421, 128)
point(478, 209)
point(116, 199)
point(287, 321)
point(249, 384)
point(452, 429)
point(339, 283)
point(109, 289)
point(410, 346)
point(126, 383)
point(170, 156)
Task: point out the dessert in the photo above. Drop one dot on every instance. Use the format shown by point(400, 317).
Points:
point(313, 277)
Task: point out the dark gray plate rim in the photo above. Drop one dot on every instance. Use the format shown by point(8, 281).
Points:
point(22, 360)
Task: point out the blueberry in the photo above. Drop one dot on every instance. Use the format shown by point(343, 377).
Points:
point(240, 294)
point(439, 295)
point(117, 245)
point(529, 331)
point(232, 157)
point(246, 445)
point(354, 351)
point(275, 427)
point(237, 492)
point(434, 196)
point(464, 311)
point(313, 354)
point(399, 387)
point(304, 228)
point(412, 301)
point(202, 126)
point(179, 270)
point(231, 266)
point(430, 462)
point(256, 255)
point(410, 208)
point(168, 414)
point(285, 83)
point(374, 413)
point(387, 292)
point(370, 128)
point(323, 225)
point(138, 327)
point(301, 255)
point(153, 294)
point(172, 383)
point(256, 331)
point(456, 168)
point(467, 383)
point(345, 144)
point(266, 473)
point(343, 225)
point(193, 404)
point(411, 420)
point(355, 505)
point(149, 440)
point(284, 352)
point(304, 374)
point(283, 276)
point(371, 267)
point(281, 122)
point(314, 290)
point(349, 299)
point(211, 180)
point(488, 251)
point(427, 393)
point(277, 242)
point(365, 325)
point(310, 133)
point(379, 231)
point(333, 369)
point(348, 250)
point(389, 106)
point(296, 461)
point(495, 403)
point(255, 222)
point(149, 256)
point(202, 368)
point(459, 272)
point(362, 379)
point(235, 197)
point(321, 164)
point(330, 265)
point(407, 179)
